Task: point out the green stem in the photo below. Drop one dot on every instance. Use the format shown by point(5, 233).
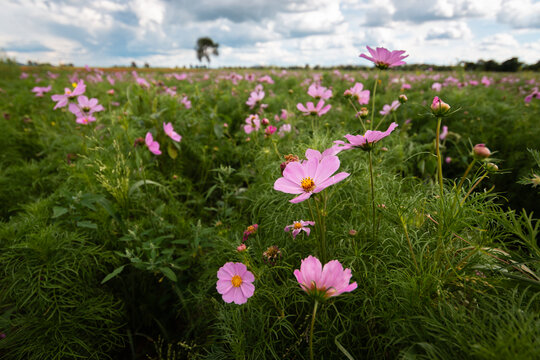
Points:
point(465, 175)
point(311, 330)
point(472, 188)
point(409, 241)
point(361, 120)
point(372, 192)
point(322, 230)
point(439, 163)
point(373, 100)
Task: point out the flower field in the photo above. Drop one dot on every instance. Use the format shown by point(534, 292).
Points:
point(269, 214)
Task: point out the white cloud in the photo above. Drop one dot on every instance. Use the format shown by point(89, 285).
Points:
point(520, 13)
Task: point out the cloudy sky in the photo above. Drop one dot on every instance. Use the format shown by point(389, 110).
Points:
point(267, 32)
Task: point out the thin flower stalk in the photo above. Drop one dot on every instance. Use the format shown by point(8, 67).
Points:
point(311, 329)
point(439, 163)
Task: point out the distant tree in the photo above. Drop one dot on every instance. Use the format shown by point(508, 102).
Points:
point(511, 65)
point(133, 64)
point(146, 65)
point(206, 47)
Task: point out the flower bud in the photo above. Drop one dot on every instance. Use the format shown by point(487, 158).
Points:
point(363, 113)
point(439, 107)
point(288, 158)
point(481, 151)
point(241, 247)
point(491, 167)
point(265, 122)
point(403, 98)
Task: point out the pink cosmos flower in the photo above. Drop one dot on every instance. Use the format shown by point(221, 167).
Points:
point(328, 281)
point(310, 109)
point(357, 92)
point(267, 79)
point(319, 92)
point(23, 75)
point(84, 109)
point(285, 128)
point(153, 146)
point(41, 90)
point(63, 99)
point(436, 87)
point(235, 283)
point(270, 130)
point(309, 177)
point(383, 58)
point(168, 128)
point(387, 109)
point(485, 81)
point(299, 226)
point(535, 94)
point(254, 98)
point(444, 132)
point(253, 124)
point(368, 139)
point(185, 101)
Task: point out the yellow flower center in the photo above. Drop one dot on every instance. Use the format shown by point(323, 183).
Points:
point(297, 225)
point(236, 281)
point(74, 84)
point(307, 184)
point(251, 228)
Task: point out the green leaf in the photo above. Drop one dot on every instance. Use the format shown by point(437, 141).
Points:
point(140, 183)
point(87, 224)
point(341, 348)
point(115, 272)
point(173, 153)
point(168, 273)
point(218, 130)
point(58, 211)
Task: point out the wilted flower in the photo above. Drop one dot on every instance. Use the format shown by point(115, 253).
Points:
point(288, 158)
point(481, 151)
point(324, 282)
point(383, 58)
point(251, 229)
point(272, 254)
point(439, 107)
point(363, 113)
point(152, 145)
point(309, 177)
point(235, 283)
point(310, 109)
point(168, 128)
point(298, 226)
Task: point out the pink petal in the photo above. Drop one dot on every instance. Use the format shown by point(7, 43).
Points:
point(287, 186)
point(295, 172)
point(300, 198)
point(239, 297)
point(223, 286)
point(248, 277)
point(331, 181)
point(326, 168)
point(248, 289)
point(311, 269)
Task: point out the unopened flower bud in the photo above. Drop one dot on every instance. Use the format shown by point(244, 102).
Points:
point(439, 107)
point(481, 151)
point(265, 122)
point(492, 167)
point(403, 98)
point(241, 247)
point(353, 232)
